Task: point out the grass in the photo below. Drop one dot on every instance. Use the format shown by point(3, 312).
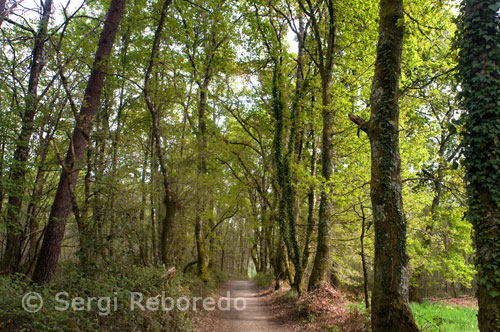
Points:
point(437, 317)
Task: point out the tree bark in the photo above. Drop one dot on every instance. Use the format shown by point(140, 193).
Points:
point(325, 46)
point(168, 221)
point(202, 171)
point(12, 257)
point(479, 72)
point(311, 205)
point(51, 247)
point(363, 257)
point(390, 306)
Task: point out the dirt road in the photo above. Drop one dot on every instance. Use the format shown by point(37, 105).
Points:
point(257, 316)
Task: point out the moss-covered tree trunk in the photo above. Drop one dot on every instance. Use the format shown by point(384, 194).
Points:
point(480, 75)
point(311, 204)
point(325, 45)
point(169, 202)
point(390, 306)
point(288, 189)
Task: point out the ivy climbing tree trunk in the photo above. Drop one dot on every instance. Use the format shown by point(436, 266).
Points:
point(479, 68)
point(325, 45)
point(51, 246)
point(289, 176)
point(14, 243)
point(390, 306)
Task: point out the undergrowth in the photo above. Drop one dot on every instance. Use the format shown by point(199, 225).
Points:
point(116, 282)
point(263, 280)
point(437, 317)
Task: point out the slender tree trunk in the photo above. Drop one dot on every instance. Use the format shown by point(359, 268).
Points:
point(288, 189)
point(311, 201)
point(12, 257)
point(390, 306)
point(153, 201)
point(202, 172)
point(325, 46)
point(479, 72)
point(168, 222)
point(363, 257)
point(322, 258)
point(2, 158)
point(262, 240)
point(142, 212)
point(33, 223)
point(54, 234)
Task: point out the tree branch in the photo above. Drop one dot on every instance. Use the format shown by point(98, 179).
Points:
point(361, 123)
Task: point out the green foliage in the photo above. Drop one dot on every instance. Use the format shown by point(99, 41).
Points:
point(479, 68)
point(263, 280)
point(437, 317)
point(113, 282)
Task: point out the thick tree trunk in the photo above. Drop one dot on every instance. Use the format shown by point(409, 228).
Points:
point(479, 70)
point(12, 257)
point(54, 234)
point(390, 306)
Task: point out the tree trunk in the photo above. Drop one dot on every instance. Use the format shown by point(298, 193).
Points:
point(54, 234)
point(479, 72)
point(288, 190)
point(153, 201)
point(322, 258)
point(325, 46)
point(390, 306)
point(168, 221)
point(311, 205)
point(363, 257)
point(3, 12)
point(202, 171)
point(12, 257)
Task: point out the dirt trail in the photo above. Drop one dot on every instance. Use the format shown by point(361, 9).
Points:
point(257, 317)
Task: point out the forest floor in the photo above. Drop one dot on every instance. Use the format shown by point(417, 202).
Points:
point(258, 315)
point(280, 311)
point(324, 309)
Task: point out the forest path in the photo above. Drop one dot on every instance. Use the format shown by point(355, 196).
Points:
point(257, 315)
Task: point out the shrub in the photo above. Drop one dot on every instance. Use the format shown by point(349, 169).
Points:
point(263, 280)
